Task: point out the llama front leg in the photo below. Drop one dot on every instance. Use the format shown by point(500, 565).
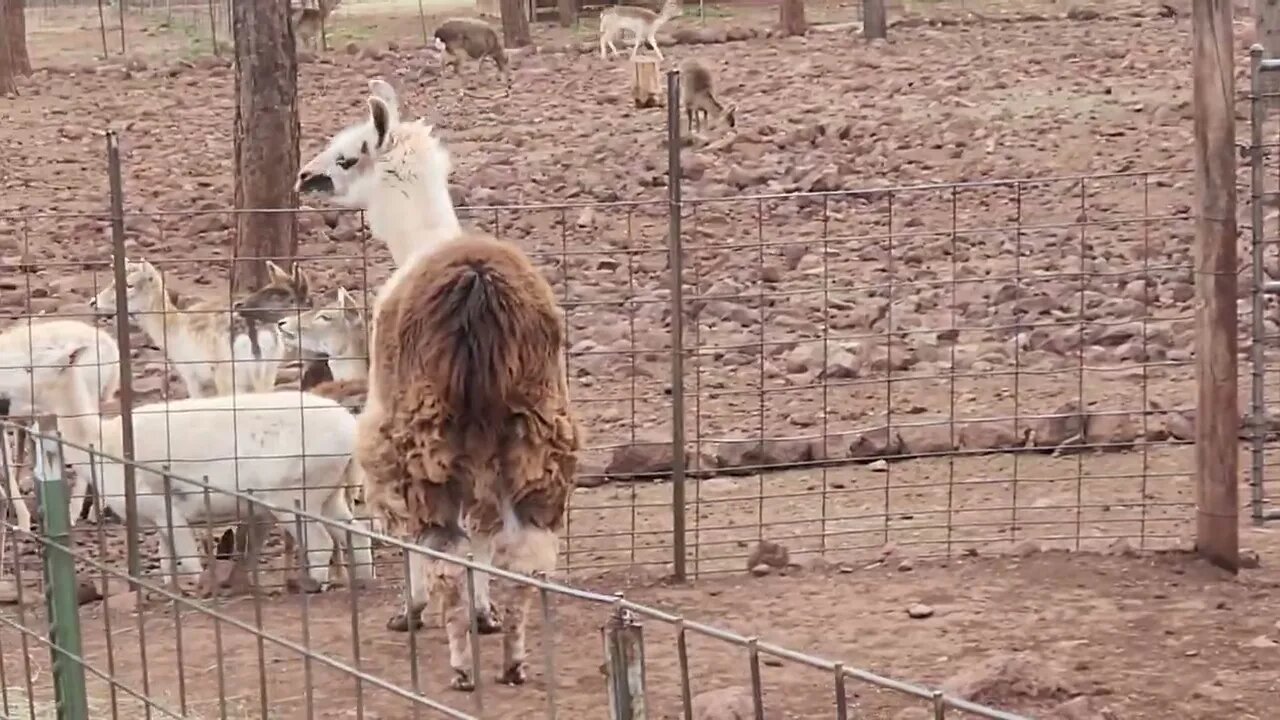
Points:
point(319, 552)
point(180, 550)
point(13, 464)
point(528, 551)
point(410, 615)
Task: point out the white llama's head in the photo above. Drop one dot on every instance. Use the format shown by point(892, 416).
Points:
point(346, 170)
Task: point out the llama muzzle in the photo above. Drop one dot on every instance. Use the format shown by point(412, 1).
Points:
point(320, 183)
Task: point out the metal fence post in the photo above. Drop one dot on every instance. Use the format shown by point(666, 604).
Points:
point(624, 666)
point(59, 569)
point(114, 174)
point(676, 263)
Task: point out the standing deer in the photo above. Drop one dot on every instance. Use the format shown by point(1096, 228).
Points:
point(642, 23)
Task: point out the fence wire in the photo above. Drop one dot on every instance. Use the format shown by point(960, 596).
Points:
point(155, 652)
point(955, 367)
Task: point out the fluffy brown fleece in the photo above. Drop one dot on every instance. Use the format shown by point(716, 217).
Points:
point(468, 411)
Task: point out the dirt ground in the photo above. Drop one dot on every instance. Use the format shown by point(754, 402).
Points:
point(808, 318)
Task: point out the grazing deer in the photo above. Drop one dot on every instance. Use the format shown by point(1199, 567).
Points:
point(461, 38)
point(215, 351)
point(307, 21)
point(642, 23)
point(335, 329)
point(697, 95)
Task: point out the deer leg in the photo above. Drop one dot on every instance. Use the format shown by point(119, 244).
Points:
point(603, 38)
point(653, 43)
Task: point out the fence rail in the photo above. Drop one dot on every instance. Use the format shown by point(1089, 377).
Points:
point(95, 670)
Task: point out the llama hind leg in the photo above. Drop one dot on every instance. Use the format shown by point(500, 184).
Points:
point(529, 551)
point(487, 616)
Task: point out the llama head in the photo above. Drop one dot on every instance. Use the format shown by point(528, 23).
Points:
point(141, 280)
point(284, 291)
point(325, 329)
point(345, 170)
point(26, 374)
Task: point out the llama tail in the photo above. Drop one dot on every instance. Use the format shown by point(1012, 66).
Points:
point(479, 325)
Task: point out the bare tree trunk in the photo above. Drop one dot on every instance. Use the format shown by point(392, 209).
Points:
point(266, 138)
point(791, 18)
point(568, 12)
point(515, 23)
point(15, 26)
point(8, 79)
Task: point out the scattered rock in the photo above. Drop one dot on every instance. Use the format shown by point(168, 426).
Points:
point(1001, 678)
point(1084, 707)
point(761, 570)
point(1262, 642)
point(9, 592)
point(919, 611)
point(878, 466)
point(733, 703)
point(1250, 560)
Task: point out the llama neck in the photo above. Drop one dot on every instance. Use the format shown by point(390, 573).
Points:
point(158, 319)
point(413, 218)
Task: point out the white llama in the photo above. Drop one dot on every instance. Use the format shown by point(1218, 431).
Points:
point(399, 174)
point(252, 443)
point(97, 370)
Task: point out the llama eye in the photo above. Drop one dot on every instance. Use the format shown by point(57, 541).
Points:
point(347, 163)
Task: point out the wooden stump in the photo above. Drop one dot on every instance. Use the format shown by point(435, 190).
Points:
point(646, 85)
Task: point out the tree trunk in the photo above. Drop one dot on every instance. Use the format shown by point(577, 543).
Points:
point(15, 27)
point(875, 21)
point(515, 23)
point(266, 139)
point(568, 12)
point(8, 81)
point(646, 87)
point(791, 18)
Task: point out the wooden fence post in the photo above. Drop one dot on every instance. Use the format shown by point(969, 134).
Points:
point(1217, 415)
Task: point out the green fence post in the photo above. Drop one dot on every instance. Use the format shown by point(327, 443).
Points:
point(59, 569)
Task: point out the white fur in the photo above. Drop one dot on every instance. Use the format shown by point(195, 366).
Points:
point(284, 448)
point(210, 363)
point(401, 182)
point(641, 23)
point(96, 371)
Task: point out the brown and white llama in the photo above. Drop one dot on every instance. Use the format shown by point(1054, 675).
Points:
point(467, 439)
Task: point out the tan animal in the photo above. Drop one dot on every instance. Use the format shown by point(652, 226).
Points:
point(307, 21)
point(458, 39)
point(334, 328)
point(215, 351)
point(467, 440)
point(697, 95)
point(642, 23)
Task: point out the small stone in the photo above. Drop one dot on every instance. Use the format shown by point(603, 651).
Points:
point(1249, 560)
point(879, 466)
point(906, 566)
point(919, 611)
point(770, 661)
point(761, 570)
point(1262, 641)
point(769, 554)
point(8, 592)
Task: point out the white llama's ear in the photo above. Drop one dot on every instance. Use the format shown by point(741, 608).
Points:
point(383, 118)
point(382, 90)
point(344, 299)
point(62, 358)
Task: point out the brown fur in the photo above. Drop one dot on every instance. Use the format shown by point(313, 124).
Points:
point(470, 409)
point(351, 394)
point(470, 38)
point(697, 95)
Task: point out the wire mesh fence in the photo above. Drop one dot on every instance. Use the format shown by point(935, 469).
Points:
point(952, 367)
point(154, 652)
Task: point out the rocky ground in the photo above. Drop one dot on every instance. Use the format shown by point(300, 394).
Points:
point(906, 320)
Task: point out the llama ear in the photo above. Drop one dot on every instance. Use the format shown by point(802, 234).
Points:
point(381, 115)
point(70, 356)
point(382, 90)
